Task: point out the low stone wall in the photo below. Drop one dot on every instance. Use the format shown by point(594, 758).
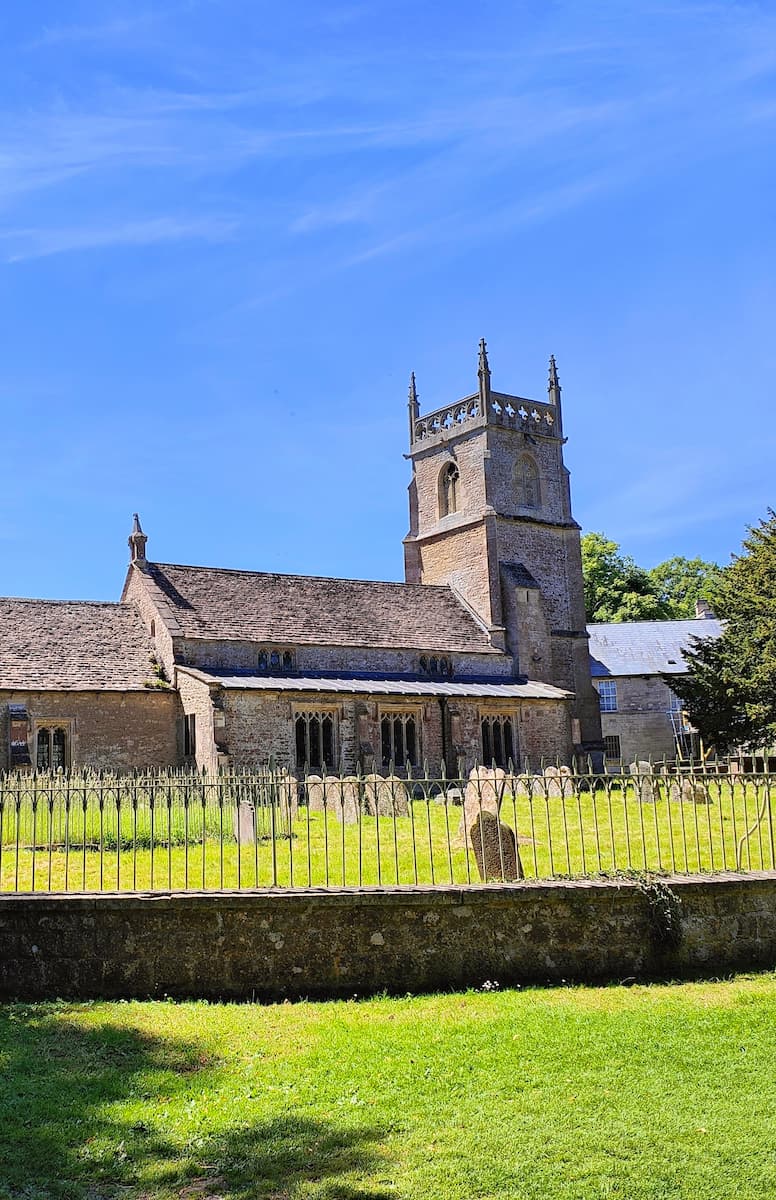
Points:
point(266, 945)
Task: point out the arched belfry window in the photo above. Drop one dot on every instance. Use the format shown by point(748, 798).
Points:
point(448, 490)
point(527, 483)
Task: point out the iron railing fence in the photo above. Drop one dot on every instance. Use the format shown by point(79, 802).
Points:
point(180, 831)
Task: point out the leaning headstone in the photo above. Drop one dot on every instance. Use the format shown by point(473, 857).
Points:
point(495, 849)
point(644, 774)
point(385, 797)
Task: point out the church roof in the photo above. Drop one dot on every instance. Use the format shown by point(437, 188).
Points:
point(645, 647)
point(375, 685)
point(72, 645)
point(216, 604)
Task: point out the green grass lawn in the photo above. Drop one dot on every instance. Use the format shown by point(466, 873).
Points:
point(647, 1093)
point(606, 830)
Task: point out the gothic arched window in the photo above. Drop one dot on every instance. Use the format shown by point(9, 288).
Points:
point(527, 483)
point(448, 490)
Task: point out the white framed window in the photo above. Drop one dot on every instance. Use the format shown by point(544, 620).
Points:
point(607, 695)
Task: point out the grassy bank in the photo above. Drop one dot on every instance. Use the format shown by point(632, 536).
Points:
point(658, 1093)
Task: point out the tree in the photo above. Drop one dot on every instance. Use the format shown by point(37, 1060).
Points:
point(616, 589)
point(681, 582)
point(730, 690)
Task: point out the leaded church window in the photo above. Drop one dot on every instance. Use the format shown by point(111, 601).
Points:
point(498, 741)
point(315, 748)
point(399, 739)
point(52, 750)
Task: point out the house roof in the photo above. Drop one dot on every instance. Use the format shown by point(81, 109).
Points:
point(528, 689)
point(215, 604)
point(645, 647)
point(72, 645)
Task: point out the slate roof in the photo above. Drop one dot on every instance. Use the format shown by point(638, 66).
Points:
point(378, 686)
point(645, 647)
point(216, 604)
point(72, 645)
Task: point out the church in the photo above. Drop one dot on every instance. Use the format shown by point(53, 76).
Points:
point(481, 655)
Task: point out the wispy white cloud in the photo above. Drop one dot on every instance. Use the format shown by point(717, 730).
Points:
point(40, 243)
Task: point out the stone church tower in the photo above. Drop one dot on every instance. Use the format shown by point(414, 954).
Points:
point(490, 514)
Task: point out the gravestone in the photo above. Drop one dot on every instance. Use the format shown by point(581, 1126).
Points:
point(385, 796)
point(689, 790)
point(316, 793)
point(343, 797)
point(288, 797)
point(245, 823)
point(495, 849)
point(484, 793)
point(558, 782)
point(644, 775)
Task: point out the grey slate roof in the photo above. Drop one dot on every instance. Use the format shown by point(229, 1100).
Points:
point(645, 647)
point(376, 686)
point(216, 604)
point(72, 645)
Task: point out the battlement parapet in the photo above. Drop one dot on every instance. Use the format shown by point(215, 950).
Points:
point(513, 412)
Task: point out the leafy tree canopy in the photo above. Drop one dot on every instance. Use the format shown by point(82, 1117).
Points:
point(730, 691)
point(616, 589)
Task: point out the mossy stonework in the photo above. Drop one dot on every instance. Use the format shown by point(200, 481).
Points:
point(264, 945)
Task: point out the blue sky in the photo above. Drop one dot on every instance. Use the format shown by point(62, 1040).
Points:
point(229, 230)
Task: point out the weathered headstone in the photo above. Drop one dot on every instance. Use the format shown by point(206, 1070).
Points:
point(316, 793)
point(644, 775)
point(245, 823)
point(385, 796)
point(689, 790)
point(288, 797)
point(495, 849)
point(558, 782)
point(345, 799)
point(484, 793)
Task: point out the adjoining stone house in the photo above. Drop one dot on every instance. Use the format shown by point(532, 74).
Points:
point(641, 717)
point(481, 655)
point(80, 686)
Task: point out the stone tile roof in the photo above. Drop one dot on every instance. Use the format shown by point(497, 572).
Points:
point(72, 645)
point(216, 604)
point(645, 647)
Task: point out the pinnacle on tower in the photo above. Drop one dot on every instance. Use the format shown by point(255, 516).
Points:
point(483, 372)
point(137, 541)
point(414, 407)
point(553, 386)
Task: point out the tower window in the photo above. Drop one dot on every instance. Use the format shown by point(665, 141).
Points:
point(527, 483)
point(448, 490)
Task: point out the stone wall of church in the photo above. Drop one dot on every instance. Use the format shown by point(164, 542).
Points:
point(244, 656)
point(197, 702)
point(456, 554)
point(136, 593)
point(506, 449)
point(113, 731)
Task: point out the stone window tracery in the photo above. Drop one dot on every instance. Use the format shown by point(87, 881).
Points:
point(435, 665)
point(51, 747)
point(527, 482)
point(498, 741)
point(399, 739)
point(315, 741)
point(273, 660)
point(448, 490)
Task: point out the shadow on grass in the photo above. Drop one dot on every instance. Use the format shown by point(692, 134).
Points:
point(78, 1121)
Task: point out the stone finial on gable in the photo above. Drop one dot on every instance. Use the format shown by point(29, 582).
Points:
point(137, 541)
point(414, 407)
point(483, 373)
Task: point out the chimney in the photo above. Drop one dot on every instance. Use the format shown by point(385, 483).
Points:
point(703, 610)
